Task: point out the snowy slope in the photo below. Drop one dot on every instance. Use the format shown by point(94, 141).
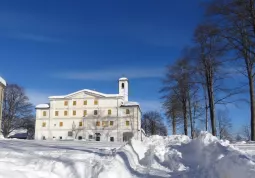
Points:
point(172, 156)
point(32, 159)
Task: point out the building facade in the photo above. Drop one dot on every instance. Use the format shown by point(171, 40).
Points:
point(2, 87)
point(88, 114)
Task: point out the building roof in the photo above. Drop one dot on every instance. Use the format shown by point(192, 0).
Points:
point(2, 81)
point(86, 91)
point(123, 78)
point(130, 103)
point(42, 106)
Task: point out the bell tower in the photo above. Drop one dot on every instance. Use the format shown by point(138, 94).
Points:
point(123, 87)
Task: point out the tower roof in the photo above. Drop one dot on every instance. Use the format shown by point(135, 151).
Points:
point(2, 81)
point(123, 79)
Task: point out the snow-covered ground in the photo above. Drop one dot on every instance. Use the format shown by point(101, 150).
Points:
point(247, 148)
point(54, 159)
point(172, 156)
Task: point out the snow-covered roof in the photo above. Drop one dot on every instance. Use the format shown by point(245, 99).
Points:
point(123, 78)
point(130, 103)
point(18, 133)
point(2, 81)
point(87, 91)
point(42, 106)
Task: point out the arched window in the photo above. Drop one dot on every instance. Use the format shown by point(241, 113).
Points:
point(122, 85)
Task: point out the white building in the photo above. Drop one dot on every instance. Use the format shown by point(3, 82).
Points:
point(2, 87)
point(87, 114)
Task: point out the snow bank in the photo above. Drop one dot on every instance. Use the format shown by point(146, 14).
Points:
point(205, 156)
point(172, 156)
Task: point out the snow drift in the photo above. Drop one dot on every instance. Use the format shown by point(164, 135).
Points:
point(178, 156)
point(172, 156)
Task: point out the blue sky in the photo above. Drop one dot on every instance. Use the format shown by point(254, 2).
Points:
point(55, 47)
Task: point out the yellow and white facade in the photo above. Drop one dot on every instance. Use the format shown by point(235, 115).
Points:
point(87, 114)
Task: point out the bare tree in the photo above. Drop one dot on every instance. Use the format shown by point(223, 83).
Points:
point(246, 130)
point(237, 25)
point(162, 129)
point(152, 123)
point(29, 125)
point(224, 125)
point(238, 138)
point(76, 130)
point(17, 109)
point(173, 110)
point(177, 82)
point(193, 106)
point(205, 38)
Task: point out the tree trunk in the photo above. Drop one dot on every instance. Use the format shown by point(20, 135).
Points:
point(209, 85)
point(252, 13)
point(206, 117)
point(252, 106)
point(184, 108)
point(211, 109)
point(206, 109)
point(190, 117)
point(173, 124)
point(250, 76)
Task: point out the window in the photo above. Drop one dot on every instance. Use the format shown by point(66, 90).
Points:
point(95, 112)
point(43, 137)
point(65, 113)
point(66, 103)
point(109, 112)
point(95, 102)
point(112, 139)
point(80, 124)
point(70, 133)
point(90, 136)
point(85, 102)
point(127, 111)
point(44, 124)
point(74, 113)
point(105, 123)
point(44, 113)
point(84, 112)
point(127, 123)
point(80, 138)
point(111, 123)
point(122, 85)
point(74, 103)
point(56, 113)
point(60, 137)
point(97, 123)
point(60, 124)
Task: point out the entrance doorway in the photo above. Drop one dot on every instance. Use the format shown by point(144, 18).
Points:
point(127, 136)
point(97, 135)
